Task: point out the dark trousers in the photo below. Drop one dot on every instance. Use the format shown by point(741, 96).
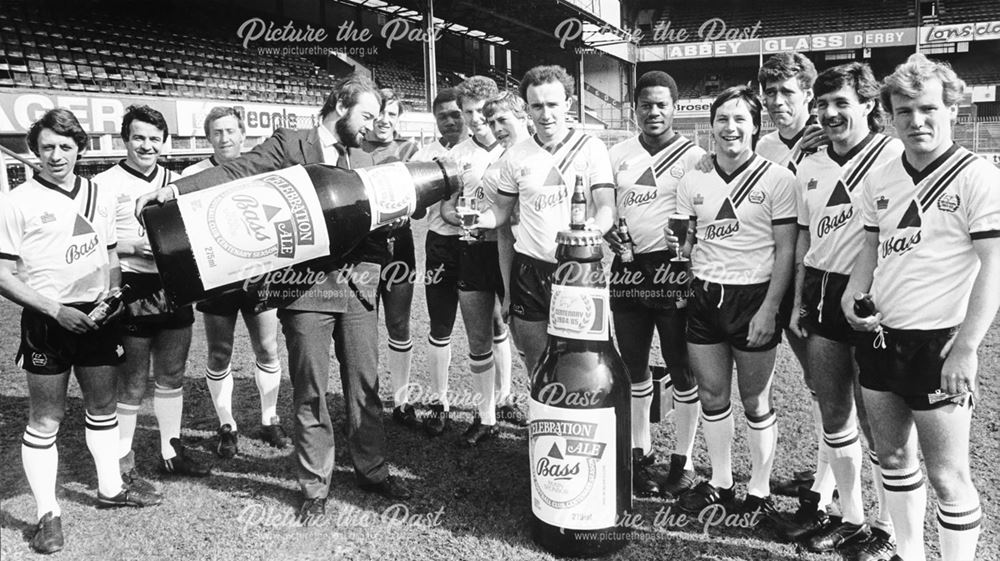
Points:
point(355, 337)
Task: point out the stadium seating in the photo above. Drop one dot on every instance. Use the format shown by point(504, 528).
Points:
point(121, 55)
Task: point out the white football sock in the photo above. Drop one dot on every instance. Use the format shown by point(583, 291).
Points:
point(40, 458)
point(128, 415)
point(719, 429)
point(168, 406)
point(844, 452)
point(642, 402)
point(220, 386)
point(482, 368)
point(439, 360)
point(763, 440)
point(687, 409)
point(400, 357)
point(268, 379)
point(906, 497)
point(502, 362)
point(959, 525)
point(101, 434)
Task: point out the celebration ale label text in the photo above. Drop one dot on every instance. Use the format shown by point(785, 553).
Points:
point(253, 225)
point(578, 312)
point(572, 454)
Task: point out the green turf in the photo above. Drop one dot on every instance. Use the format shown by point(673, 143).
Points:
point(468, 504)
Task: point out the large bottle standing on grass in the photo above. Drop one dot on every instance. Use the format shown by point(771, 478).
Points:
point(212, 241)
point(579, 438)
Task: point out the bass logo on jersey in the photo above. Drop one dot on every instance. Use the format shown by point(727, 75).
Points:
point(948, 202)
point(76, 252)
point(756, 197)
point(635, 199)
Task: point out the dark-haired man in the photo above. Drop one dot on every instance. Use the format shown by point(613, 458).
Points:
point(157, 335)
point(829, 238)
point(225, 131)
point(647, 169)
point(341, 307)
point(57, 233)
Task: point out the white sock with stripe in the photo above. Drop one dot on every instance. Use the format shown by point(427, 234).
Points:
point(719, 429)
point(400, 357)
point(959, 525)
point(763, 439)
point(40, 458)
point(882, 519)
point(268, 379)
point(101, 434)
point(502, 362)
point(906, 497)
point(642, 402)
point(687, 409)
point(128, 415)
point(844, 452)
point(168, 406)
point(483, 372)
point(824, 482)
point(220, 385)
point(438, 361)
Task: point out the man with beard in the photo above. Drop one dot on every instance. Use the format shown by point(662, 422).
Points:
point(647, 169)
point(330, 308)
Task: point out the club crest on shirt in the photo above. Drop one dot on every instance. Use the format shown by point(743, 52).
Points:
point(623, 166)
point(48, 217)
point(522, 172)
point(811, 185)
point(881, 203)
point(698, 200)
point(676, 172)
point(756, 197)
point(949, 202)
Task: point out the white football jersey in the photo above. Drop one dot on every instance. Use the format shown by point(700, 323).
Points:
point(736, 214)
point(784, 153)
point(194, 168)
point(60, 240)
point(542, 177)
point(926, 222)
point(647, 186)
point(126, 185)
point(827, 194)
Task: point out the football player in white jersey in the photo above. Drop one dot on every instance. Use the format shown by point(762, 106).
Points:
point(57, 233)
point(647, 169)
point(441, 266)
point(479, 279)
point(538, 175)
point(931, 262)
point(157, 335)
point(743, 214)
point(225, 131)
point(830, 234)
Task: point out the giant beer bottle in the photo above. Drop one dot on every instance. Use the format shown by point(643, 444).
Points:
point(212, 241)
point(579, 435)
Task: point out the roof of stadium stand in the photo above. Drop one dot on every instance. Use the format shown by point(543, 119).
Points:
point(506, 20)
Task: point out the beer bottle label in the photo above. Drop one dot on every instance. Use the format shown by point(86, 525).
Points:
point(573, 476)
point(254, 225)
point(390, 191)
point(578, 312)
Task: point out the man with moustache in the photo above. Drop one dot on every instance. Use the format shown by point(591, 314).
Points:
point(157, 336)
point(441, 265)
point(539, 175)
point(330, 309)
point(830, 234)
point(647, 169)
point(396, 285)
point(225, 131)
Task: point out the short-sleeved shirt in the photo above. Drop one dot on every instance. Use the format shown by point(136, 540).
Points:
point(646, 180)
point(542, 177)
point(735, 216)
point(926, 222)
point(827, 193)
point(126, 185)
point(785, 153)
point(59, 239)
point(435, 223)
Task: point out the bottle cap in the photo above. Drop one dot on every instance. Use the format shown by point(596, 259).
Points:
point(579, 237)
